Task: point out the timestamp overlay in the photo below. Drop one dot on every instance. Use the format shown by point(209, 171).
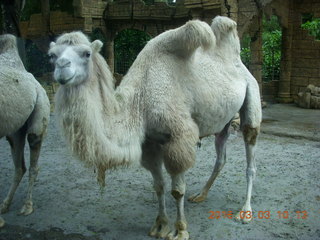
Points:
point(265, 214)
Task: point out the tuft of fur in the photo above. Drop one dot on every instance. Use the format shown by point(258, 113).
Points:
point(73, 38)
point(184, 40)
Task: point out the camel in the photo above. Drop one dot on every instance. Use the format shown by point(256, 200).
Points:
point(185, 84)
point(25, 112)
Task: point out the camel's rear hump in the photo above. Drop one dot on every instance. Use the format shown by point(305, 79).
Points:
point(225, 31)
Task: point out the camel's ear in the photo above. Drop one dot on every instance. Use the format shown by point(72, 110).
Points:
point(96, 45)
point(52, 44)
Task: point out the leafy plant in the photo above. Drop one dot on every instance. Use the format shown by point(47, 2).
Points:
point(313, 26)
point(36, 58)
point(128, 44)
point(245, 52)
point(271, 48)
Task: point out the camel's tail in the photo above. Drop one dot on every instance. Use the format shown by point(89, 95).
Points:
point(184, 40)
point(225, 31)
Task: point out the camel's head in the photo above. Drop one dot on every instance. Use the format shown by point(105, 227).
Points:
point(71, 56)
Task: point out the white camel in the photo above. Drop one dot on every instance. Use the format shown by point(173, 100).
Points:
point(24, 113)
point(185, 84)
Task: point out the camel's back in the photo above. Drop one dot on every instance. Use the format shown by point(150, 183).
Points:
point(18, 96)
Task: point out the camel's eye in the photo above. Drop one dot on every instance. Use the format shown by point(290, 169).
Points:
point(87, 54)
point(52, 56)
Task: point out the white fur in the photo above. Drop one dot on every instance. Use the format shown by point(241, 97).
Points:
point(186, 83)
point(25, 111)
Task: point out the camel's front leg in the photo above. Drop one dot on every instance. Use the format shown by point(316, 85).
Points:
point(220, 145)
point(35, 145)
point(153, 161)
point(17, 142)
point(250, 136)
point(160, 228)
point(178, 192)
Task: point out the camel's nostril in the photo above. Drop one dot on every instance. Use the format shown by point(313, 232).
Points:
point(63, 62)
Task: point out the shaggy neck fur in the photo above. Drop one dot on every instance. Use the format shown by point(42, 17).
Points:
point(100, 125)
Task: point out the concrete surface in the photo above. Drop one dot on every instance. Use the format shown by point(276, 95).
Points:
point(70, 206)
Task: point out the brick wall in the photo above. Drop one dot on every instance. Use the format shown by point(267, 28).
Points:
point(305, 49)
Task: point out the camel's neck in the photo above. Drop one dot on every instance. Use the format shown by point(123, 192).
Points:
point(104, 129)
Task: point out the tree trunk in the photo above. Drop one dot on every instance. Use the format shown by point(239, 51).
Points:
point(10, 16)
point(45, 11)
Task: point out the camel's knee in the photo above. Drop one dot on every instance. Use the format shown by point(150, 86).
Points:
point(178, 186)
point(250, 134)
point(251, 172)
point(34, 141)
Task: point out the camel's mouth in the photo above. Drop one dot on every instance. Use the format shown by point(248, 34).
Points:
point(64, 81)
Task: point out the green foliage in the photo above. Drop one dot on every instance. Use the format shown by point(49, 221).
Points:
point(31, 7)
point(34, 6)
point(312, 25)
point(36, 58)
point(245, 52)
point(127, 46)
point(271, 47)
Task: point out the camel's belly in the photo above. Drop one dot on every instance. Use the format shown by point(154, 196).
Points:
point(216, 111)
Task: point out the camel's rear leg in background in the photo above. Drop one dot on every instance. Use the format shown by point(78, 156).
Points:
point(250, 117)
point(17, 142)
point(220, 145)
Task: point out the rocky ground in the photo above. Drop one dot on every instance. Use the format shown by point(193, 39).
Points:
point(69, 204)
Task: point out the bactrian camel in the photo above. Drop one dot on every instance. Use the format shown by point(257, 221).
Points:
point(24, 114)
point(185, 84)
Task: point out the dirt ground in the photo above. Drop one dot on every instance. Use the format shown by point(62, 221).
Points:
point(70, 206)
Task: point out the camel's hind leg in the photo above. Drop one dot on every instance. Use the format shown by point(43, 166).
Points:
point(152, 160)
point(250, 136)
point(35, 145)
point(220, 145)
point(17, 142)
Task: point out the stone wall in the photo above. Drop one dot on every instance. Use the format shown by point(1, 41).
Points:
point(305, 49)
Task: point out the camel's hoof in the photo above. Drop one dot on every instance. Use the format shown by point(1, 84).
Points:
point(4, 207)
point(2, 222)
point(26, 209)
point(160, 229)
point(178, 235)
point(197, 198)
point(244, 216)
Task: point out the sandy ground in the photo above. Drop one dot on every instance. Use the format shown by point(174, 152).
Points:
point(70, 206)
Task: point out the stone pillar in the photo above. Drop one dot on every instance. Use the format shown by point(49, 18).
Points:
point(284, 95)
point(255, 66)
point(229, 8)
